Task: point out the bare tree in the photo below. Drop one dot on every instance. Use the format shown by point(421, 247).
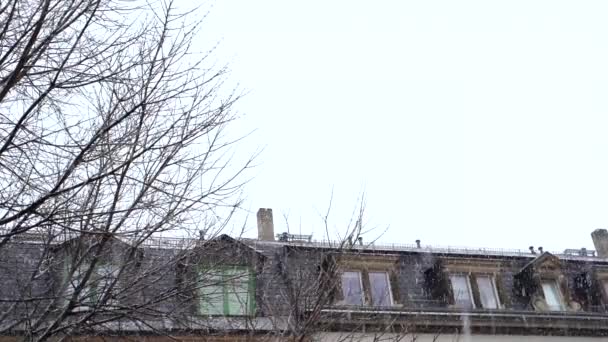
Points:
point(311, 288)
point(112, 129)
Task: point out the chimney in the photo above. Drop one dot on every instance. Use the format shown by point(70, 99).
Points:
point(600, 241)
point(540, 249)
point(417, 243)
point(531, 248)
point(265, 225)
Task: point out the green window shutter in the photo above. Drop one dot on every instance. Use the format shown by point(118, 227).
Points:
point(96, 286)
point(251, 308)
point(105, 274)
point(211, 292)
point(88, 293)
point(226, 291)
point(237, 284)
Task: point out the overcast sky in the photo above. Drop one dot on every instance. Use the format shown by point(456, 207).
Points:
point(478, 123)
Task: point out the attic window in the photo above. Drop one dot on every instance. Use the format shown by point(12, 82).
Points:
point(474, 291)
point(369, 280)
point(96, 289)
point(226, 291)
point(377, 293)
point(488, 294)
point(352, 288)
point(461, 288)
point(553, 297)
point(605, 286)
point(380, 289)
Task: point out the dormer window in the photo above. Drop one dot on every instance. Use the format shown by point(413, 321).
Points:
point(461, 288)
point(97, 287)
point(366, 280)
point(488, 293)
point(474, 291)
point(352, 288)
point(467, 283)
point(605, 286)
point(376, 293)
point(380, 287)
point(542, 282)
point(221, 275)
point(553, 296)
point(226, 291)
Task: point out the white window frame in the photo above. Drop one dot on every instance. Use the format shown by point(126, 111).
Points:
point(467, 277)
point(604, 282)
point(492, 278)
point(360, 276)
point(388, 284)
point(560, 296)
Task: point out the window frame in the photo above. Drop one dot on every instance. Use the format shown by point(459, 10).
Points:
point(604, 285)
point(366, 264)
point(249, 307)
point(467, 277)
point(474, 289)
point(600, 278)
point(363, 294)
point(91, 293)
point(558, 292)
point(495, 293)
point(441, 287)
point(387, 277)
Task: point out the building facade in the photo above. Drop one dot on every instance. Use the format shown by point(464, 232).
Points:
point(288, 287)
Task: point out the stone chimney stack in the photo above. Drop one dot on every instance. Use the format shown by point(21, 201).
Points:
point(265, 225)
point(600, 241)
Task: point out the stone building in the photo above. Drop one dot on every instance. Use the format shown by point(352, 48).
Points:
point(288, 287)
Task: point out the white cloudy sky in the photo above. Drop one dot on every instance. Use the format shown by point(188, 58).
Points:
point(479, 123)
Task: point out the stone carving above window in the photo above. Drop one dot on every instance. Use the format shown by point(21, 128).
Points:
point(542, 281)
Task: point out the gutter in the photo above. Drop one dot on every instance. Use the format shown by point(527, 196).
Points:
point(469, 314)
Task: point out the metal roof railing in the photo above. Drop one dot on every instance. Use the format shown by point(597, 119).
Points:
point(189, 242)
point(401, 247)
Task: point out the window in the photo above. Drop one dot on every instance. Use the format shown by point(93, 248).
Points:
point(462, 291)
point(553, 297)
point(475, 291)
point(97, 286)
point(378, 291)
point(605, 286)
point(352, 288)
point(228, 291)
point(488, 294)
